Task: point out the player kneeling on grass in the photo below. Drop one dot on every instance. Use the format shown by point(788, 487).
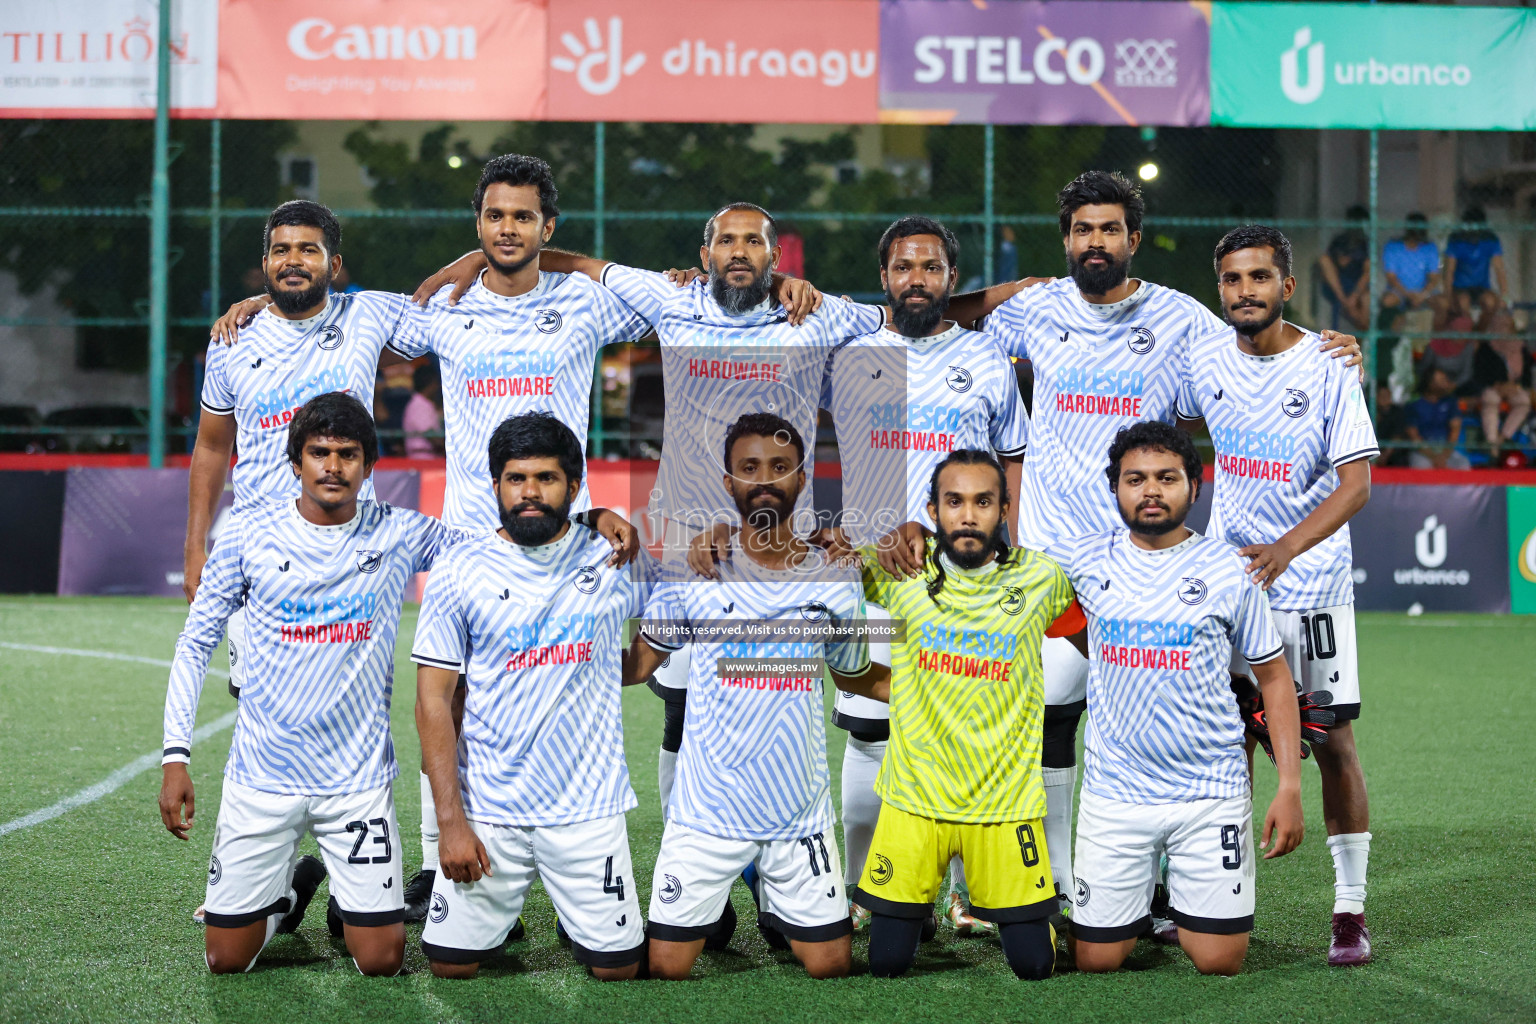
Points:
point(1166, 769)
point(961, 775)
point(537, 786)
point(752, 788)
point(321, 580)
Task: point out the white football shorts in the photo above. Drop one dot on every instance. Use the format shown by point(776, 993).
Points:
point(800, 884)
point(1321, 651)
point(1065, 671)
point(863, 715)
point(256, 844)
point(234, 634)
point(586, 871)
point(1209, 844)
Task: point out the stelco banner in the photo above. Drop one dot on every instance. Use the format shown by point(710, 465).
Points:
point(1044, 63)
point(1372, 66)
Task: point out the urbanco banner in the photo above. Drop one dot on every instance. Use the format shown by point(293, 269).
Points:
point(471, 60)
point(1113, 63)
point(96, 58)
point(1290, 65)
point(764, 61)
point(1440, 547)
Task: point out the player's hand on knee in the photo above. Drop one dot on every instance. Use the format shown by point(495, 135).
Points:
point(1284, 824)
point(460, 853)
point(176, 793)
point(226, 329)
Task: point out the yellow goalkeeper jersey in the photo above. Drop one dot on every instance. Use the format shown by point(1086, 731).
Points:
point(967, 698)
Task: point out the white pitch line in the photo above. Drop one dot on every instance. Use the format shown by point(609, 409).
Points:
point(115, 781)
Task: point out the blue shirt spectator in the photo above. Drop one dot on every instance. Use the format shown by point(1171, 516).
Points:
point(1473, 252)
point(1414, 262)
point(1432, 417)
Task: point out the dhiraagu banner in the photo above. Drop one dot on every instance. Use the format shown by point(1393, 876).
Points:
point(1313, 65)
point(1522, 550)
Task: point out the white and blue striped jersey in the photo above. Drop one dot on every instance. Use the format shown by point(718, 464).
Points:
point(753, 764)
point(538, 632)
point(504, 356)
point(717, 367)
point(277, 365)
point(1280, 424)
point(900, 405)
point(1097, 369)
point(322, 607)
point(1163, 726)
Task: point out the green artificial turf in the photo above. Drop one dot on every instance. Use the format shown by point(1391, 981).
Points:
point(95, 905)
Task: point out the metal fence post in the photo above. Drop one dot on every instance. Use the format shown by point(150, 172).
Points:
point(599, 187)
point(215, 236)
point(989, 220)
point(1373, 250)
point(160, 241)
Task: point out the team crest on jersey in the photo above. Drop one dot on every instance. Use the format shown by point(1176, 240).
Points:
point(439, 908)
point(1081, 896)
point(1141, 341)
point(883, 871)
point(959, 379)
point(586, 579)
point(671, 889)
point(1012, 601)
point(815, 612)
point(368, 561)
point(1294, 403)
point(331, 337)
point(547, 320)
point(215, 870)
point(1191, 590)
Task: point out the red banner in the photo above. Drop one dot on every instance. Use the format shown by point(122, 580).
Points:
point(472, 60)
point(782, 61)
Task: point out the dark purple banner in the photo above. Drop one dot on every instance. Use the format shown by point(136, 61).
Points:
point(1441, 548)
point(124, 529)
point(1011, 62)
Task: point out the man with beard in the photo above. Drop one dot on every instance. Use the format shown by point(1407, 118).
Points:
point(321, 578)
point(961, 774)
point(534, 616)
point(1293, 448)
point(752, 787)
point(1167, 610)
point(1107, 351)
point(902, 398)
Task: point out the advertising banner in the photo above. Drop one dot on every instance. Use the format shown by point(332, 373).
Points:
point(96, 58)
point(1522, 549)
point(954, 61)
point(1289, 65)
point(1438, 547)
point(774, 61)
point(472, 60)
point(124, 528)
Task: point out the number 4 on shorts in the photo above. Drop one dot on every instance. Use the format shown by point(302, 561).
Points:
point(613, 883)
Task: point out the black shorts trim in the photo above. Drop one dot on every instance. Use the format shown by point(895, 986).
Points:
point(670, 694)
point(1072, 710)
point(607, 957)
point(890, 908)
point(1017, 915)
point(234, 691)
point(807, 932)
point(870, 730)
point(1211, 925)
point(678, 932)
point(1119, 933)
point(371, 918)
point(1344, 713)
point(452, 955)
point(212, 920)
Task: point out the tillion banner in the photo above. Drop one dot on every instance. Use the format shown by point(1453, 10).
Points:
point(1293, 65)
point(124, 528)
point(954, 61)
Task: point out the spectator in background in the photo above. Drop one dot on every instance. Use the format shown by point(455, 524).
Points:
point(1502, 372)
point(342, 283)
point(1411, 266)
point(1007, 254)
point(791, 253)
point(424, 413)
point(1345, 270)
point(1434, 420)
point(1391, 425)
point(1452, 355)
point(392, 392)
point(1474, 269)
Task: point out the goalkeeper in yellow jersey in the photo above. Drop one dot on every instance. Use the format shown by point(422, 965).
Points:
point(961, 774)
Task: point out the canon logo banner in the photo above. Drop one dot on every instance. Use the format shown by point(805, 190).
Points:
point(318, 39)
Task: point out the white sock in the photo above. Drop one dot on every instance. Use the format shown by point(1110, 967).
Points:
point(1059, 785)
point(666, 771)
point(861, 807)
point(428, 826)
point(957, 879)
point(1350, 852)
